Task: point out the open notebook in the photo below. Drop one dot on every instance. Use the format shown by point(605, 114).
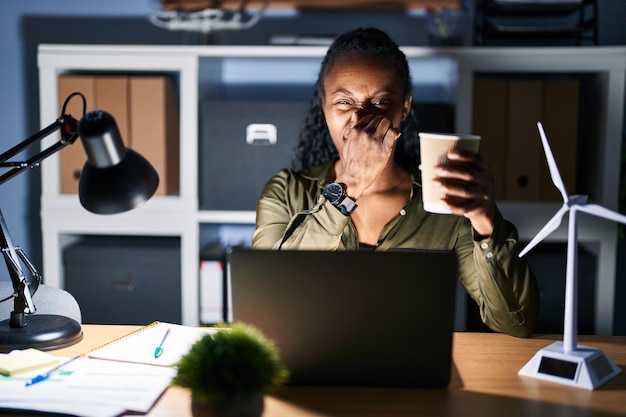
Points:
point(140, 346)
point(351, 318)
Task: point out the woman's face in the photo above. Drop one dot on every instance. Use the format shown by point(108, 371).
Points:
point(362, 84)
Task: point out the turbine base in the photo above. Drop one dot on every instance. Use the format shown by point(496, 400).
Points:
point(584, 367)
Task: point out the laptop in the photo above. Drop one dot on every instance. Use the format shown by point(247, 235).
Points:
point(351, 318)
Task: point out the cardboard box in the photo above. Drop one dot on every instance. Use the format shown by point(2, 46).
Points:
point(154, 128)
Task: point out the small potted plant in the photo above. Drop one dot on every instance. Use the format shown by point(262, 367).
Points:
point(229, 371)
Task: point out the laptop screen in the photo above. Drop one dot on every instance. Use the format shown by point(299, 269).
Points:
point(351, 318)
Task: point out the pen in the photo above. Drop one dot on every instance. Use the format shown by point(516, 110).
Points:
point(159, 350)
point(48, 374)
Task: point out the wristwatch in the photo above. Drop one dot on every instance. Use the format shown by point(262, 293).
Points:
point(335, 193)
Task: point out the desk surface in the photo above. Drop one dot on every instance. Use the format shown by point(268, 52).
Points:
point(484, 383)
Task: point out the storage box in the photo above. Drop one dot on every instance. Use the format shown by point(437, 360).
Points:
point(243, 143)
point(125, 280)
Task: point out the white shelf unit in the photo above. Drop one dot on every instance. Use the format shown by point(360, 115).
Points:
point(63, 219)
point(606, 67)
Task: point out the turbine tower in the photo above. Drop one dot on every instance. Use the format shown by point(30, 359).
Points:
point(566, 362)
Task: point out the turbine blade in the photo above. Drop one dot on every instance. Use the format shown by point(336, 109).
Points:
point(600, 211)
point(550, 227)
point(554, 169)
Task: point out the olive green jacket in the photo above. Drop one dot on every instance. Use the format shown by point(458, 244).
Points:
point(293, 214)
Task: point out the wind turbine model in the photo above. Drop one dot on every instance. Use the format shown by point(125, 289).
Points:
point(567, 362)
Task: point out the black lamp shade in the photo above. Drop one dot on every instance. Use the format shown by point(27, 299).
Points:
point(115, 178)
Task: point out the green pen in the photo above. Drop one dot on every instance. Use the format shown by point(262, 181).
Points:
point(159, 350)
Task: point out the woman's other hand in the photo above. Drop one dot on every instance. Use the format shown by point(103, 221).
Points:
point(467, 182)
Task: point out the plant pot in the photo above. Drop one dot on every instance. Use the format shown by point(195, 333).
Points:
point(242, 406)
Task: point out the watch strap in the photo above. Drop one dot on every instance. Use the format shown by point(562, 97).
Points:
point(347, 206)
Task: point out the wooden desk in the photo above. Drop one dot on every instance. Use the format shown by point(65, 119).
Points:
point(484, 383)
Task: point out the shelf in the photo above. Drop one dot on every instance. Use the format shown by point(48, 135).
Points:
point(531, 8)
point(214, 72)
point(234, 217)
point(313, 4)
point(540, 21)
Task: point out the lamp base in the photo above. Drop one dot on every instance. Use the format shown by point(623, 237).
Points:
point(42, 331)
point(584, 367)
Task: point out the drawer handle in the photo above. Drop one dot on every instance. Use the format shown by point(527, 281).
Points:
point(261, 134)
point(123, 282)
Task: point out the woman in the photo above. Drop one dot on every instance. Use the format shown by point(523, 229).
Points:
point(354, 184)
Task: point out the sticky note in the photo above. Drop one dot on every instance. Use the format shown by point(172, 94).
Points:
point(19, 361)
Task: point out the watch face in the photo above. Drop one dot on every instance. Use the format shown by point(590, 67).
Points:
point(333, 192)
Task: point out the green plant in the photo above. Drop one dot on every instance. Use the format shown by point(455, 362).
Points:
point(234, 362)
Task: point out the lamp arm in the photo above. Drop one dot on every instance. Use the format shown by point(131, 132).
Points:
point(23, 302)
point(34, 282)
point(23, 288)
point(29, 264)
point(69, 134)
point(19, 283)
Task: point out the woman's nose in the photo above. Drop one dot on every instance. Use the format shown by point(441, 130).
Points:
point(363, 109)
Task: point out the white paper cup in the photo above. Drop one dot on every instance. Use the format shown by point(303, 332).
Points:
point(434, 148)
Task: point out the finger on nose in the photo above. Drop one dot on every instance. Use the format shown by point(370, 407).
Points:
point(361, 112)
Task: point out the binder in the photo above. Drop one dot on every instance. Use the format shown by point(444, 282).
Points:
point(524, 153)
point(560, 121)
point(505, 114)
point(154, 128)
point(212, 292)
point(147, 117)
point(73, 157)
point(490, 121)
point(112, 97)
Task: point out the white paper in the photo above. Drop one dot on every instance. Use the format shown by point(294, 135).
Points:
point(89, 388)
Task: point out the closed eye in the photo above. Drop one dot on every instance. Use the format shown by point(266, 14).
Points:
point(381, 102)
point(344, 104)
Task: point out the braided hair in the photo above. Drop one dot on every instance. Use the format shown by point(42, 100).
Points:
point(315, 145)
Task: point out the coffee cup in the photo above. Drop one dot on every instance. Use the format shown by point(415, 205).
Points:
point(434, 149)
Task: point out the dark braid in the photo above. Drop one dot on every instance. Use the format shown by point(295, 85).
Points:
point(315, 145)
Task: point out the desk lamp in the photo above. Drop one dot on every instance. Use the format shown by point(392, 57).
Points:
point(566, 362)
point(113, 180)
